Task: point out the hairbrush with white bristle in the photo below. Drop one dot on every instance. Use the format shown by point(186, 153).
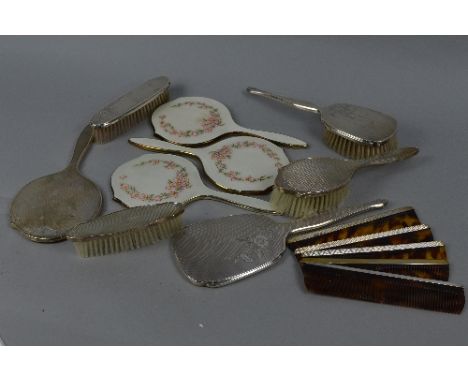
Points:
point(352, 131)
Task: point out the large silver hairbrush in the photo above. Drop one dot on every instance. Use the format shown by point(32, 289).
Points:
point(314, 185)
point(353, 131)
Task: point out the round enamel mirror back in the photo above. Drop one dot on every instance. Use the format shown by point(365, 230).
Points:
point(237, 164)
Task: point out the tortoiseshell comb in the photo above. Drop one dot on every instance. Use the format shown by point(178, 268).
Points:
point(413, 234)
point(425, 260)
point(377, 223)
point(384, 288)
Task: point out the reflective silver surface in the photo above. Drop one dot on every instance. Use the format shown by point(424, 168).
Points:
point(352, 122)
point(313, 176)
point(128, 103)
point(135, 218)
point(366, 251)
point(221, 251)
point(298, 236)
point(46, 208)
point(359, 239)
point(135, 106)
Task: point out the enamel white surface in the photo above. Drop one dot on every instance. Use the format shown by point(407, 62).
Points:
point(156, 178)
point(191, 120)
point(238, 163)
point(159, 178)
point(196, 120)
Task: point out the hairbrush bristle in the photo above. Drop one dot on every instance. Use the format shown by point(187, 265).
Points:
point(126, 229)
point(356, 150)
point(299, 206)
point(112, 131)
point(127, 241)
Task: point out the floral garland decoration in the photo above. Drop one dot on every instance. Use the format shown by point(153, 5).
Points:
point(225, 152)
point(173, 187)
point(207, 124)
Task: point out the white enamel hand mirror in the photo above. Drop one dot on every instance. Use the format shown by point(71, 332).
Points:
point(159, 178)
point(237, 164)
point(193, 121)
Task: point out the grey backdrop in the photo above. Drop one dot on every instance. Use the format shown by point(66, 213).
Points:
point(49, 88)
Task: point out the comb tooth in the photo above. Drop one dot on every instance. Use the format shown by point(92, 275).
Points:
point(340, 281)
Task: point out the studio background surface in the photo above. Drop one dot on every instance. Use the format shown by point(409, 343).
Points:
point(51, 86)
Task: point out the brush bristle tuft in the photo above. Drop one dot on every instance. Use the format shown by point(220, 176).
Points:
point(127, 229)
point(127, 241)
point(300, 206)
point(108, 133)
point(356, 150)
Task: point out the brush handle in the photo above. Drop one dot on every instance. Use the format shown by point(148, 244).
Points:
point(393, 156)
point(291, 102)
point(328, 218)
point(246, 202)
point(152, 144)
point(81, 147)
point(273, 137)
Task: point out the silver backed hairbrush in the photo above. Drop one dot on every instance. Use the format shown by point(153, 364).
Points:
point(245, 244)
point(316, 184)
point(352, 131)
point(125, 112)
point(126, 229)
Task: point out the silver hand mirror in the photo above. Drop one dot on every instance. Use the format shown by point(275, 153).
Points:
point(46, 208)
point(244, 245)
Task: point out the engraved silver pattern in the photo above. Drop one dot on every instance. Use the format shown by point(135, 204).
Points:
point(378, 248)
point(359, 239)
point(310, 235)
point(46, 208)
point(314, 176)
point(218, 252)
point(352, 122)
